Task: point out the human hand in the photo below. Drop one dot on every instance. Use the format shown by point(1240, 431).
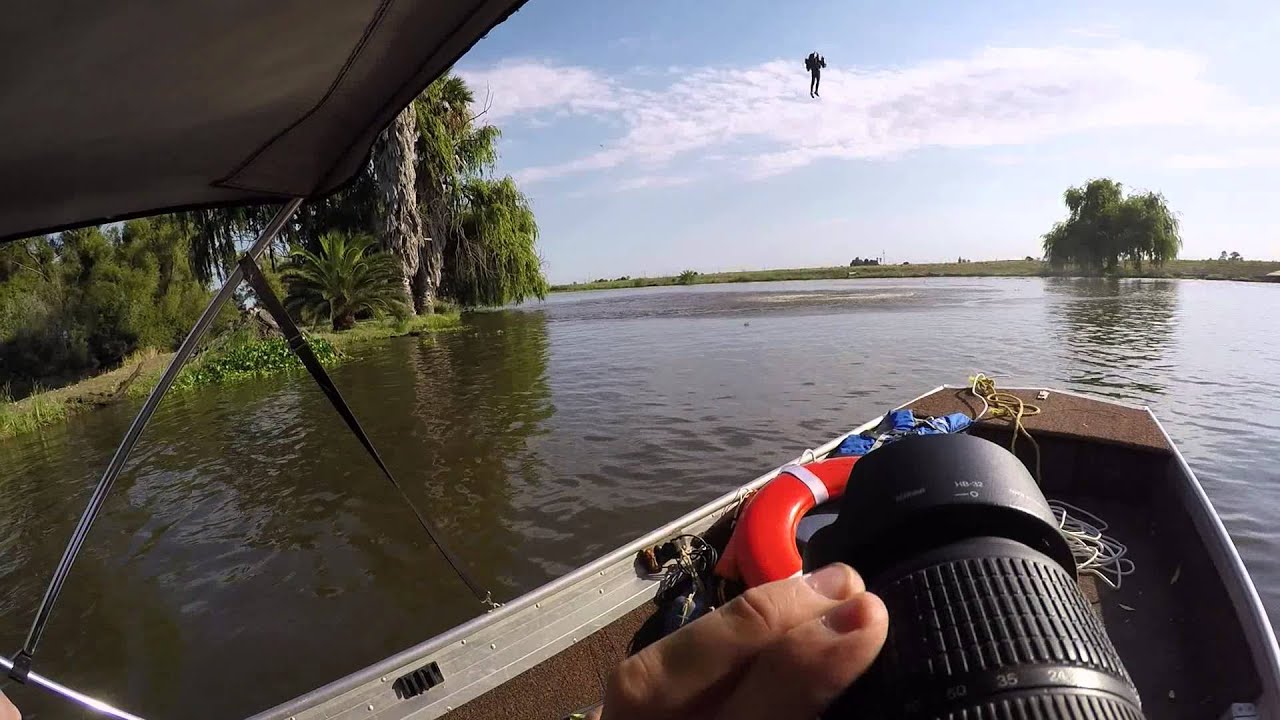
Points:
point(7, 709)
point(782, 651)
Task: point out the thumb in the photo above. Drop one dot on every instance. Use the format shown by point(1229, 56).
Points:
point(7, 709)
point(798, 676)
point(699, 662)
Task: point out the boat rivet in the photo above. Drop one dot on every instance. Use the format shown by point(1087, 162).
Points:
point(384, 678)
point(448, 708)
point(575, 639)
point(537, 605)
point(601, 591)
point(601, 573)
point(369, 707)
point(464, 642)
point(493, 646)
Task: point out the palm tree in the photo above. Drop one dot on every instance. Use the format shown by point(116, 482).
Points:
point(422, 161)
point(452, 150)
point(423, 195)
point(396, 160)
point(344, 278)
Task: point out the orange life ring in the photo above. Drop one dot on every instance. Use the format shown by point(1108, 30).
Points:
point(763, 546)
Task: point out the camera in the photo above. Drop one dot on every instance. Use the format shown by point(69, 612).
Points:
point(986, 620)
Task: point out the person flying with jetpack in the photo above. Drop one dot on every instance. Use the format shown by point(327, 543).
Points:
point(814, 64)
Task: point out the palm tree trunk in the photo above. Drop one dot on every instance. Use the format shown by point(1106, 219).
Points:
point(344, 321)
point(397, 181)
point(427, 281)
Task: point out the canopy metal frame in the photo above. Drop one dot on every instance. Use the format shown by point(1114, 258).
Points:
point(19, 668)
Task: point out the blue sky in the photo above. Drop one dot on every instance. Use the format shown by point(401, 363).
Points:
point(658, 136)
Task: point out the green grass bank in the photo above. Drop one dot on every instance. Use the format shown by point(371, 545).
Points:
point(1248, 270)
point(225, 360)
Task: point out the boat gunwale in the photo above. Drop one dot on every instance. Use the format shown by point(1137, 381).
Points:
point(1235, 577)
point(417, 653)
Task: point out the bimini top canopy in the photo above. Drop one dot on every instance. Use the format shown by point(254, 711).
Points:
point(116, 109)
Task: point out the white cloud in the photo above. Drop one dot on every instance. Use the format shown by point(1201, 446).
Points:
point(762, 118)
point(1096, 31)
point(1249, 157)
point(654, 181)
point(516, 87)
point(638, 182)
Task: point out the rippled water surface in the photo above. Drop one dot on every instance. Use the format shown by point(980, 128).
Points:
point(250, 552)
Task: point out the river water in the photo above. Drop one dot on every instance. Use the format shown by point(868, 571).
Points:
point(250, 551)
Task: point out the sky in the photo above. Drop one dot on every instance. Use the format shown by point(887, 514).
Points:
point(666, 135)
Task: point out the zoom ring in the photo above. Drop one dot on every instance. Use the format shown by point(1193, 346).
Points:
point(972, 638)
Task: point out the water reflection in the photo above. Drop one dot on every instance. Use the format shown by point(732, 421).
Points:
point(1116, 333)
point(480, 397)
point(250, 529)
point(251, 551)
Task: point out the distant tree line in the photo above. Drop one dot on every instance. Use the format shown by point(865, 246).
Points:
point(861, 261)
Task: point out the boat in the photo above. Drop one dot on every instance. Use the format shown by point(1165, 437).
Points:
point(1187, 621)
point(298, 94)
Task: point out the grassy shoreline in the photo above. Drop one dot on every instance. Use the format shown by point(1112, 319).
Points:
point(1245, 270)
point(141, 371)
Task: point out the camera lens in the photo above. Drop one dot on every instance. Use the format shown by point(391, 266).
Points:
point(985, 618)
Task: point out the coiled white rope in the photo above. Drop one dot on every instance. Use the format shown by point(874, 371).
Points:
point(1095, 552)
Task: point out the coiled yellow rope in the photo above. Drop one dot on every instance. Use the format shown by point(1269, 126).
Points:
point(999, 404)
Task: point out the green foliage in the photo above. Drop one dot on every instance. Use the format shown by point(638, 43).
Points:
point(688, 277)
point(345, 278)
point(493, 260)
point(218, 235)
point(251, 358)
point(476, 255)
point(1105, 228)
point(80, 302)
point(485, 227)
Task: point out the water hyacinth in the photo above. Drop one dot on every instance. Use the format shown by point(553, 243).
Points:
point(254, 358)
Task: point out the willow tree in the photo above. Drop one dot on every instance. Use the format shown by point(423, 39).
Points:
point(1105, 227)
point(492, 257)
point(218, 235)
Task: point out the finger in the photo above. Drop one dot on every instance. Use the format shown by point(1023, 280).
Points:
point(803, 672)
point(8, 711)
point(675, 673)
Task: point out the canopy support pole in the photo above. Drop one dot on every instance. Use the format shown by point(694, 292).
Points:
point(20, 667)
point(80, 698)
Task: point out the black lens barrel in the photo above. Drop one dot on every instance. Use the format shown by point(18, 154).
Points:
point(986, 620)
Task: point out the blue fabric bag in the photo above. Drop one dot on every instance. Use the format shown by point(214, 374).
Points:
point(899, 423)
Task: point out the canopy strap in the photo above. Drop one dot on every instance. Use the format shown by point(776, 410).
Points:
point(21, 667)
point(300, 347)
